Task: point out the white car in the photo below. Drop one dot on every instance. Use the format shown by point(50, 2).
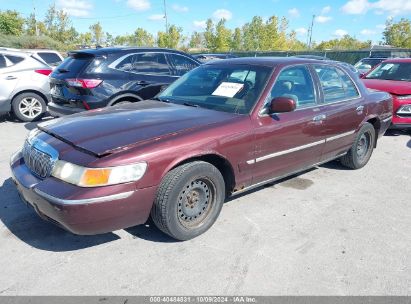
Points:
point(24, 82)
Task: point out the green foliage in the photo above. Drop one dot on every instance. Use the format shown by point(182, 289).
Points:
point(33, 42)
point(142, 38)
point(58, 26)
point(171, 39)
point(97, 33)
point(398, 34)
point(344, 43)
point(11, 23)
point(196, 41)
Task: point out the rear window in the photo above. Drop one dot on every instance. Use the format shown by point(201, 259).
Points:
point(74, 65)
point(50, 58)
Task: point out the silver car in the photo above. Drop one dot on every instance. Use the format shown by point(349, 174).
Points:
point(24, 84)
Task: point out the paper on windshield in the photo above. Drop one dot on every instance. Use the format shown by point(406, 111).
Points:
point(228, 89)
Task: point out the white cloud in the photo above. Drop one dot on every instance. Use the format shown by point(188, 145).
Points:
point(294, 12)
point(340, 33)
point(393, 7)
point(222, 14)
point(356, 7)
point(322, 19)
point(156, 17)
point(139, 5)
point(76, 8)
point(201, 24)
point(380, 26)
point(179, 8)
point(326, 10)
point(301, 31)
point(367, 32)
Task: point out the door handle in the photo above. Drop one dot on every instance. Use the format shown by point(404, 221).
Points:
point(11, 77)
point(360, 109)
point(319, 118)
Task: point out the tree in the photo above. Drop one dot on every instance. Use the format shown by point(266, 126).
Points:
point(196, 41)
point(398, 34)
point(171, 39)
point(85, 38)
point(109, 39)
point(142, 38)
point(237, 40)
point(346, 42)
point(58, 25)
point(254, 34)
point(209, 36)
point(222, 37)
point(97, 33)
point(11, 23)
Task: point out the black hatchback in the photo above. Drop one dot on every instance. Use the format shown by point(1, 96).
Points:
point(91, 79)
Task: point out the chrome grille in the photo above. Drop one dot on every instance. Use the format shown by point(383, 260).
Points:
point(40, 163)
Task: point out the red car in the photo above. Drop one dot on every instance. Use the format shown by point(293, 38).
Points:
point(222, 129)
point(394, 76)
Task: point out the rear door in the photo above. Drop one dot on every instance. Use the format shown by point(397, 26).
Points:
point(9, 77)
point(343, 107)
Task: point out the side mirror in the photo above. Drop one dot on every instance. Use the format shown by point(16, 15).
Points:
point(282, 105)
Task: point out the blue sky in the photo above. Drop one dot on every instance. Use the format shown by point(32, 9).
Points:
point(363, 19)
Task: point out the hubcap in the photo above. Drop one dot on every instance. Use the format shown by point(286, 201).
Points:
point(195, 202)
point(30, 107)
point(363, 146)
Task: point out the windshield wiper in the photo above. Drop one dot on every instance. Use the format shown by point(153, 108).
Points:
point(191, 105)
point(161, 99)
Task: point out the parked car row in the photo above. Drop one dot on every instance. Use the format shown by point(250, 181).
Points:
point(222, 128)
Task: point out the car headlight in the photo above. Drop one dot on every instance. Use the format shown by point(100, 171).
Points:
point(403, 97)
point(97, 177)
point(32, 134)
point(404, 110)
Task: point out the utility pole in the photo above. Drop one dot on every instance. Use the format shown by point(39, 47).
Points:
point(310, 32)
point(35, 20)
point(165, 15)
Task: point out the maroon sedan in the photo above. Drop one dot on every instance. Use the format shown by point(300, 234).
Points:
point(220, 130)
point(394, 76)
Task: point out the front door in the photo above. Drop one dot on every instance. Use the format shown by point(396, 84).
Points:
point(289, 142)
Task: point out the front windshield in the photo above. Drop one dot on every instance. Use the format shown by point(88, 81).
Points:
point(400, 71)
point(226, 88)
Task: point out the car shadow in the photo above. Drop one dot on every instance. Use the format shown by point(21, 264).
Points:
point(150, 232)
point(22, 222)
point(32, 125)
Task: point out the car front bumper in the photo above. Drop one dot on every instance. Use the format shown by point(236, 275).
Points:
point(58, 110)
point(78, 212)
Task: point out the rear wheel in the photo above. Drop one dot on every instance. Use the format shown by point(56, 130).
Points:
point(189, 200)
point(361, 151)
point(29, 106)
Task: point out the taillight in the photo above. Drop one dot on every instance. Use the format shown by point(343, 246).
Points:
point(45, 72)
point(84, 83)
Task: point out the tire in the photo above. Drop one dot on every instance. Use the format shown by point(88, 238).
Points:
point(189, 200)
point(29, 107)
point(361, 151)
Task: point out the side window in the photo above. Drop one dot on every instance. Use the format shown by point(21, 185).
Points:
point(14, 59)
point(295, 83)
point(50, 58)
point(336, 84)
point(145, 63)
point(182, 64)
point(2, 62)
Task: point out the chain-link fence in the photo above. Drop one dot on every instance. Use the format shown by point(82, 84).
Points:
point(345, 56)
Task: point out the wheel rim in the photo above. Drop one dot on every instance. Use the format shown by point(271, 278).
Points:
point(363, 146)
point(195, 202)
point(30, 107)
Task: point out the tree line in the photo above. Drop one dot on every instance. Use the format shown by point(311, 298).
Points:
point(56, 30)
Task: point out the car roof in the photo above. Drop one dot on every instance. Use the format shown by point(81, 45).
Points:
point(393, 60)
point(269, 61)
point(14, 52)
point(111, 50)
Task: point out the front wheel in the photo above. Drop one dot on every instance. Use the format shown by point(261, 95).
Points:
point(29, 107)
point(189, 200)
point(361, 151)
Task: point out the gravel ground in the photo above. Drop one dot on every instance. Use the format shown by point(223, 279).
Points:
point(328, 231)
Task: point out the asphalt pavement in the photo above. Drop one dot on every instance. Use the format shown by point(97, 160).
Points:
point(327, 231)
